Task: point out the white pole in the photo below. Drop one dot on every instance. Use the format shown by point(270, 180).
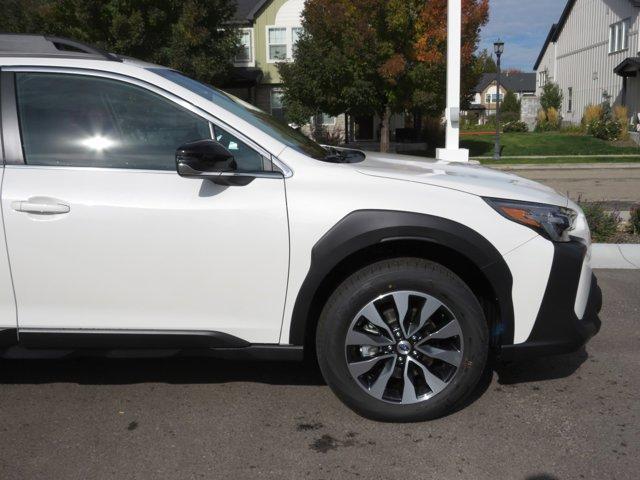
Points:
point(452, 151)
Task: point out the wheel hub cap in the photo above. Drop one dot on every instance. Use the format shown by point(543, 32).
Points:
point(403, 347)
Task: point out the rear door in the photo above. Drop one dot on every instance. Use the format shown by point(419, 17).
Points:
point(104, 235)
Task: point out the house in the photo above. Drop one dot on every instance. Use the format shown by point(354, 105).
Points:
point(592, 54)
point(486, 95)
point(269, 30)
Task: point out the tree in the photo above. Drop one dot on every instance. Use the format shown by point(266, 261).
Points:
point(186, 35)
point(510, 103)
point(551, 97)
point(376, 57)
point(485, 63)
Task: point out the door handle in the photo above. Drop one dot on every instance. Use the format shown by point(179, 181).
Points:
point(40, 208)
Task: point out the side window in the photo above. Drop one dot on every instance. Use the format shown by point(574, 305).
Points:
point(247, 159)
point(83, 121)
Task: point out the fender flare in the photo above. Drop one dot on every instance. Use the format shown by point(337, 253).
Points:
point(365, 228)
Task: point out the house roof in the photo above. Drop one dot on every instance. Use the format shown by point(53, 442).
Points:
point(247, 10)
point(556, 28)
point(516, 82)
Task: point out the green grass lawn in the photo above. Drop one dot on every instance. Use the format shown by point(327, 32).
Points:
point(548, 143)
point(547, 160)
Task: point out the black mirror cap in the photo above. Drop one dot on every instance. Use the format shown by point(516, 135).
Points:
point(207, 156)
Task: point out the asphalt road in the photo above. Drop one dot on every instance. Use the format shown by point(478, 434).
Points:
point(575, 416)
point(617, 187)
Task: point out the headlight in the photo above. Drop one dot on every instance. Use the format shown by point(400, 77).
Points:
point(551, 221)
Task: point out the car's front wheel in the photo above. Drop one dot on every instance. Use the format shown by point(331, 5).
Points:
point(402, 340)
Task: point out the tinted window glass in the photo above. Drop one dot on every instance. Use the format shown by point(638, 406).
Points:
point(256, 117)
point(247, 159)
point(82, 121)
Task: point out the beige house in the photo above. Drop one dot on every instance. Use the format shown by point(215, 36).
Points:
point(486, 93)
point(269, 32)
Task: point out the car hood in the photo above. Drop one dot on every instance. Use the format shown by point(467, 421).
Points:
point(465, 177)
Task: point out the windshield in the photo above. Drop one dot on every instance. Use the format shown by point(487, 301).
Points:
point(256, 117)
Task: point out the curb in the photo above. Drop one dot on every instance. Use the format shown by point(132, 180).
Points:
point(617, 256)
point(563, 166)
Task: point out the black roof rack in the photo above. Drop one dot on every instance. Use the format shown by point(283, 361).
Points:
point(27, 44)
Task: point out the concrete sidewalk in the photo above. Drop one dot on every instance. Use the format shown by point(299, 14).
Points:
point(616, 256)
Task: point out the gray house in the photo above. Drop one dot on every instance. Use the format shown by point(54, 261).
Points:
point(592, 52)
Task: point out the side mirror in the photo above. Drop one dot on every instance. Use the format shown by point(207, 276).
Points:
point(204, 159)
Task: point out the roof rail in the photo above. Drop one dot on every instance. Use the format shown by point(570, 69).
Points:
point(29, 44)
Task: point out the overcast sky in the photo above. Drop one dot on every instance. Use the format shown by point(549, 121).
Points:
point(523, 26)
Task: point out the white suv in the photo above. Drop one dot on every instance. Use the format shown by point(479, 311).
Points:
point(144, 211)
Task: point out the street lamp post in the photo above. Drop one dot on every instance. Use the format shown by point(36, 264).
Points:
point(498, 48)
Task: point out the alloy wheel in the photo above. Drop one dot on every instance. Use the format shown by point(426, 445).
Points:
point(404, 347)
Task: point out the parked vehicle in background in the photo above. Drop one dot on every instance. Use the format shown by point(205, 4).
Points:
point(143, 210)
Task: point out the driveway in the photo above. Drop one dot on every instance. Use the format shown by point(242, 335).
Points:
point(570, 417)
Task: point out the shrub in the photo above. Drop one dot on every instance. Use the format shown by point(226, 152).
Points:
point(515, 127)
point(510, 104)
point(603, 224)
point(634, 221)
point(605, 129)
point(548, 120)
point(551, 97)
point(591, 114)
point(508, 117)
point(621, 114)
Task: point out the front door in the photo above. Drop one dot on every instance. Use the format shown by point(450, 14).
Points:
point(103, 234)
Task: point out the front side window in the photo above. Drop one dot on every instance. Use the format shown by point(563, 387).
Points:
point(619, 36)
point(259, 119)
point(246, 158)
point(277, 38)
point(86, 121)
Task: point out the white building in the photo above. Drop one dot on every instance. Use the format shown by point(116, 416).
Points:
point(593, 51)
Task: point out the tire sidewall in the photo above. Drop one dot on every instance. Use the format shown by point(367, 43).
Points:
point(370, 283)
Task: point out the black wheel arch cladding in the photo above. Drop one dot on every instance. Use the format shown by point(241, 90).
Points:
point(362, 229)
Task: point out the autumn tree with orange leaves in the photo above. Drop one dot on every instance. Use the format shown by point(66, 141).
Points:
point(366, 57)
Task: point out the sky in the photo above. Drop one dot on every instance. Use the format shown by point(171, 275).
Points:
point(523, 26)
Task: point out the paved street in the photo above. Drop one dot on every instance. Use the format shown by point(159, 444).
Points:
point(570, 417)
point(611, 184)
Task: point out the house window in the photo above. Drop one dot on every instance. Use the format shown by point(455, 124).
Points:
point(543, 78)
point(492, 97)
point(277, 106)
point(295, 35)
point(570, 99)
point(245, 55)
point(277, 43)
point(619, 36)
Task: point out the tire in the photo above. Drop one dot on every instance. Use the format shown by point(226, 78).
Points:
point(401, 387)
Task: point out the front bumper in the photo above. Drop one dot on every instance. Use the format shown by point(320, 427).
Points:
point(558, 329)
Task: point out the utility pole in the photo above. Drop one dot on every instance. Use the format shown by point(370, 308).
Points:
point(452, 151)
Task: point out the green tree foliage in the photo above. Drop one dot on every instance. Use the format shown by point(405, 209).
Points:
point(186, 35)
point(551, 97)
point(484, 63)
point(510, 103)
point(375, 56)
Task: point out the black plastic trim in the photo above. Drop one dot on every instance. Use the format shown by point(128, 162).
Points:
point(11, 142)
point(557, 329)
point(8, 337)
point(126, 339)
point(366, 228)
point(277, 353)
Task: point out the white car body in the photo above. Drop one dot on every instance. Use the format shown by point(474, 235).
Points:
point(144, 250)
